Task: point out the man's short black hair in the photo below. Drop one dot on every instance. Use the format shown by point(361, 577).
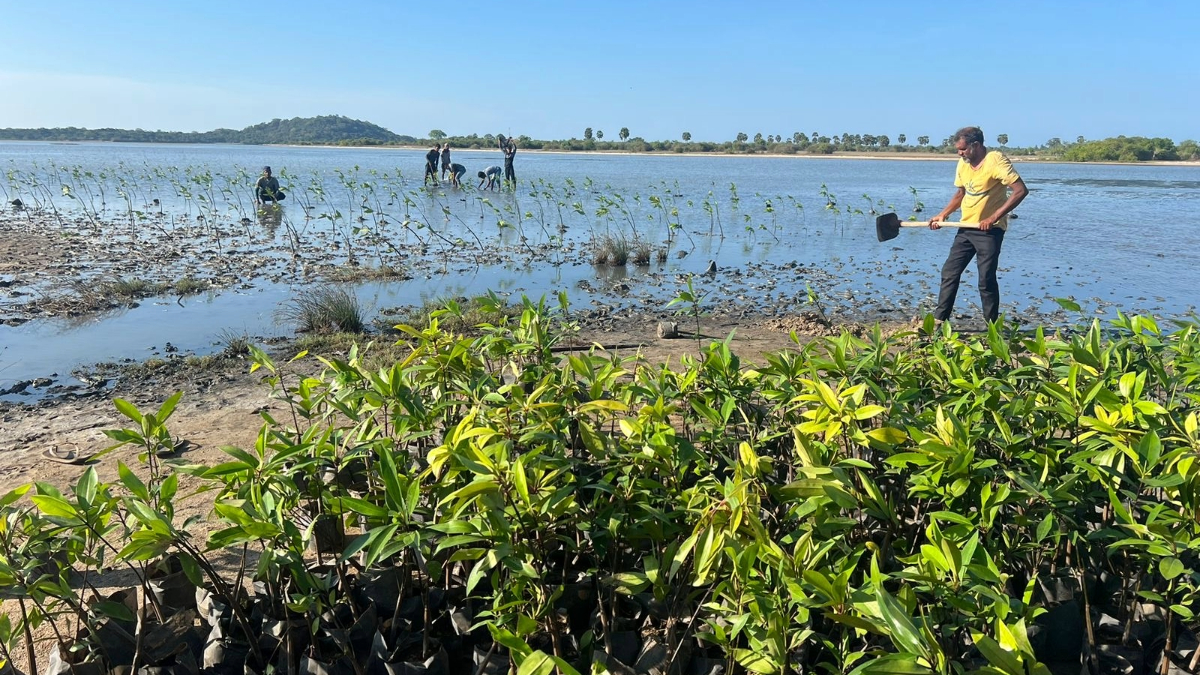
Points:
point(969, 134)
point(482, 175)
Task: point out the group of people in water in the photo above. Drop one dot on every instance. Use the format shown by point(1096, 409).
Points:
point(266, 190)
point(489, 178)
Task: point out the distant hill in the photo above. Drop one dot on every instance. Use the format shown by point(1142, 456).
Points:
point(323, 130)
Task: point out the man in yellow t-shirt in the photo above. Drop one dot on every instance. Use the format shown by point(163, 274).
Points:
point(983, 180)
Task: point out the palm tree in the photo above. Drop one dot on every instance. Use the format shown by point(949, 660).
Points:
point(587, 134)
point(922, 141)
point(687, 137)
point(599, 135)
point(901, 139)
point(741, 137)
point(624, 134)
point(1002, 139)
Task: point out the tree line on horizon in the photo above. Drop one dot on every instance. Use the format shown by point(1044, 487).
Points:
point(340, 130)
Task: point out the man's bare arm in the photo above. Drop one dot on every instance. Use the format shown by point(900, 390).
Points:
point(955, 202)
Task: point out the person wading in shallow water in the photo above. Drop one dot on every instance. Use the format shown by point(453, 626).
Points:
point(431, 163)
point(445, 160)
point(983, 180)
point(267, 188)
point(510, 151)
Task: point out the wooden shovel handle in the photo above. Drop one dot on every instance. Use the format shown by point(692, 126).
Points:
point(945, 223)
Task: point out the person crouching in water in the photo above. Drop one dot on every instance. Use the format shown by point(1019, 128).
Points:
point(491, 176)
point(267, 189)
point(457, 171)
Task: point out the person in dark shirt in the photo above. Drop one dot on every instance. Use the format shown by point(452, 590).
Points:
point(267, 188)
point(510, 151)
point(431, 165)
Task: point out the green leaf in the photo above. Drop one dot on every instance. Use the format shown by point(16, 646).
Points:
point(998, 656)
point(506, 639)
point(362, 507)
point(191, 569)
point(756, 661)
point(85, 488)
point(54, 507)
point(1044, 527)
point(128, 409)
point(1069, 305)
point(629, 583)
point(537, 663)
point(893, 664)
point(132, 482)
point(900, 626)
point(1170, 567)
point(114, 610)
point(13, 495)
point(888, 435)
point(868, 411)
point(168, 407)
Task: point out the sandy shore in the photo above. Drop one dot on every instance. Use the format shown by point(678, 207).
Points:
point(897, 156)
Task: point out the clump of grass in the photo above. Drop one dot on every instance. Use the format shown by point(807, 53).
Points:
point(372, 355)
point(155, 363)
point(204, 363)
point(458, 314)
point(234, 344)
point(662, 255)
point(384, 271)
point(641, 254)
point(189, 286)
point(131, 288)
point(325, 309)
point(611, 251)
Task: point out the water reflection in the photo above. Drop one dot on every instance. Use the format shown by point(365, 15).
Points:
point(611, 273)
point(270, 216)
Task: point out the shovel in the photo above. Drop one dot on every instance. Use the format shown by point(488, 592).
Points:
point(888, 225)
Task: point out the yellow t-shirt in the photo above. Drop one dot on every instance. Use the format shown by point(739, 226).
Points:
point(986, 187)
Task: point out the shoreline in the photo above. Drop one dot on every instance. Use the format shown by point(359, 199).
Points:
point(887, 156)
point(897, 156)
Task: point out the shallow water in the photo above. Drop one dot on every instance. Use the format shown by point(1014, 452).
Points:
point(1111, 237)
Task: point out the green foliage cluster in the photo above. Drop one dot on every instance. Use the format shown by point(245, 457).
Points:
point(325, 129)
point(1124, 149)
point(906, 504)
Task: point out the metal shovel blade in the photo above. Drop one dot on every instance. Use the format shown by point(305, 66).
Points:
point(887, 226)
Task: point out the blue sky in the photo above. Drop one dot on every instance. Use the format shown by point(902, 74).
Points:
point(550, 69)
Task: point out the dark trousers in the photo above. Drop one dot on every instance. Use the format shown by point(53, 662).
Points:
point(985, 248)
point(509, 173)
